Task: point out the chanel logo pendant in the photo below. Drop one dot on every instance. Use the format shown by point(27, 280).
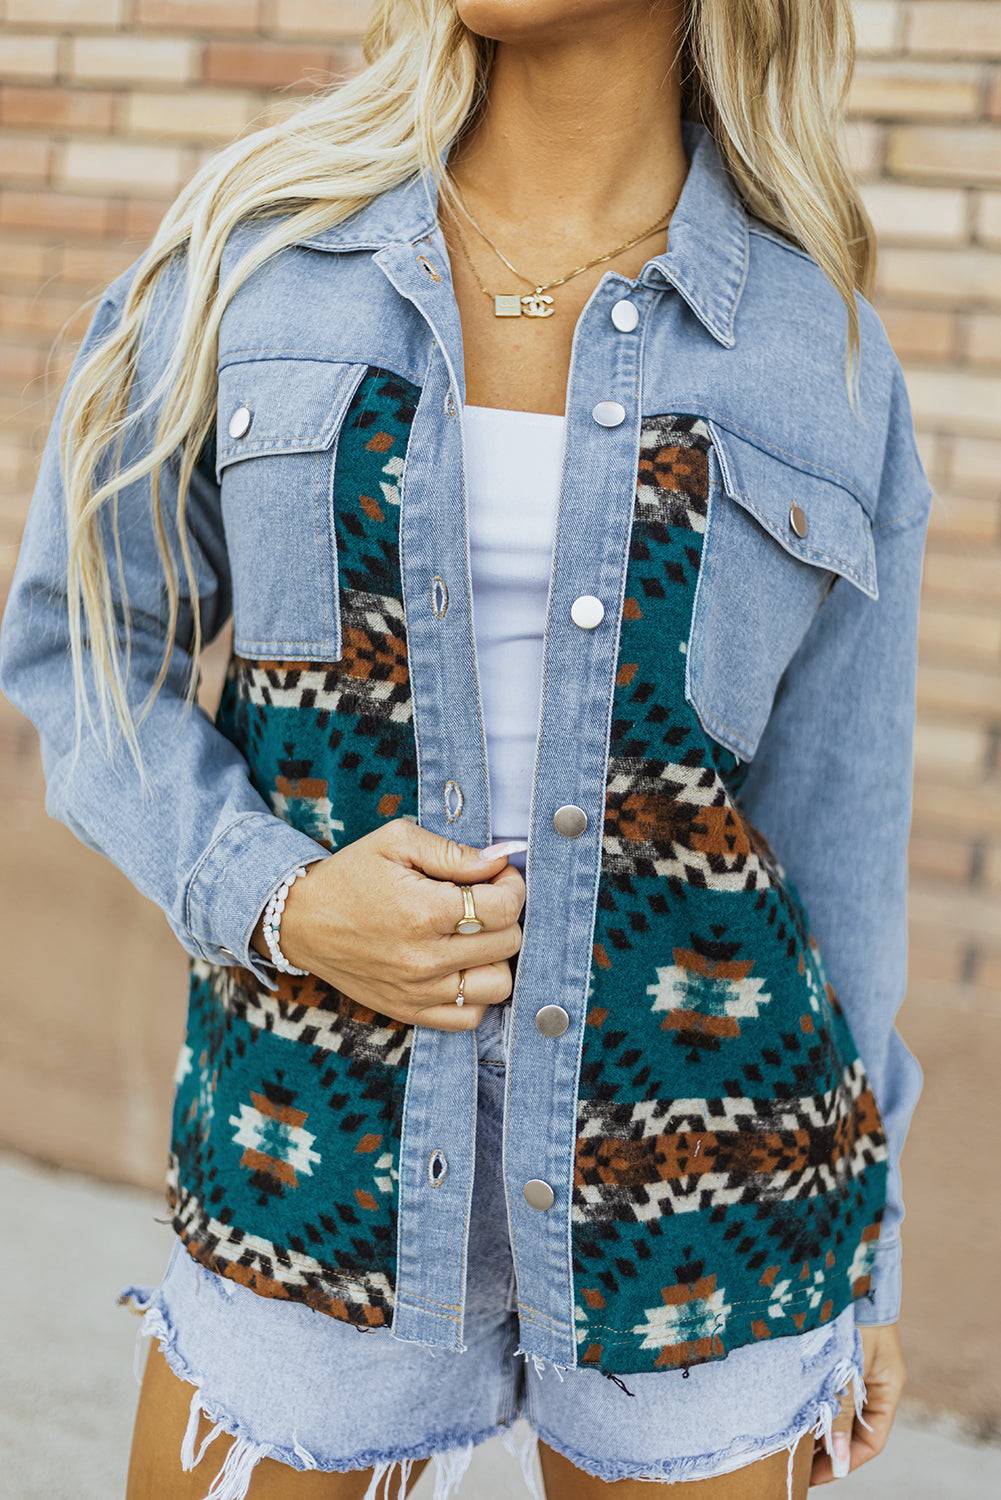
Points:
point(537, 304)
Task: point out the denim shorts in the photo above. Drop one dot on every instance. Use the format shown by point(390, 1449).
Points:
point(307, 1390)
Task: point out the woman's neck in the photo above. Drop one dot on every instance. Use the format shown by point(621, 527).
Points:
point(580, 138)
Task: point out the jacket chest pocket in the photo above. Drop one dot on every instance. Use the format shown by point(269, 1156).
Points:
point(276, 449)
point(778, 539)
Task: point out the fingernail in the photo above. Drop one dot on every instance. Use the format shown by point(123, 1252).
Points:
point(512, 846)
point(841, 1457)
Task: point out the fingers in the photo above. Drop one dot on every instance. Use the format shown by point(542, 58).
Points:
point(833, 1456)
point(841, 1437)
point(440, 858)
point(497, 903)
point(448, 955)
point(884, 1381)
point(489, 985)
point(451, 1017)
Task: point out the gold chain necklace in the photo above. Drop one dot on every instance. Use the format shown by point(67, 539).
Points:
point(537, 303)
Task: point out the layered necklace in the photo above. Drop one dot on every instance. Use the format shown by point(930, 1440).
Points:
point(538, 303)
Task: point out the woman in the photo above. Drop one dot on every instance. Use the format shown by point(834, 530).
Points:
point(555, 308)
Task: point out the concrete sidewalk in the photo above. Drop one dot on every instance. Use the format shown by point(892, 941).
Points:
point(67, 1391)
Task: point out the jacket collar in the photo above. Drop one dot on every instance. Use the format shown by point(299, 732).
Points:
point(706, 259)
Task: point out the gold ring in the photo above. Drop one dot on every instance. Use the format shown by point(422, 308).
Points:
point(460, 998)
point(469, 923)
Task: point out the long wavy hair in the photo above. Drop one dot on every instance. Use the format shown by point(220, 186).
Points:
point(767, 77)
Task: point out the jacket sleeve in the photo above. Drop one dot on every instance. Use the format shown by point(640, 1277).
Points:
point(198, 840)
point(830, 786)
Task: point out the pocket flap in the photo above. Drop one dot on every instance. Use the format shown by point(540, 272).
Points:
point(838, 528)
point(281, 406)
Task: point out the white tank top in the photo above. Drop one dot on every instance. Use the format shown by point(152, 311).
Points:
point(513, 465)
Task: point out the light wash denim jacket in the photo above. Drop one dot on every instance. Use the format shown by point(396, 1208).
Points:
point(702, 1136)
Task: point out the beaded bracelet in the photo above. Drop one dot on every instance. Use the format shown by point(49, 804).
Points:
point(272, 923)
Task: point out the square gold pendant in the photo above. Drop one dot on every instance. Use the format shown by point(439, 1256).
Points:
point(507, 305)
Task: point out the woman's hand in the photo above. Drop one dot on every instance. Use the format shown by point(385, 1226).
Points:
point(885, 1376)
point(377, 920)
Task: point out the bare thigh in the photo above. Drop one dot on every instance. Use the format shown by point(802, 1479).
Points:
point(765, 1480)
point(155, 1471)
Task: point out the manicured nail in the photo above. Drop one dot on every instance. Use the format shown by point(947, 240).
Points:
point(512, 846)
point(841, 1457)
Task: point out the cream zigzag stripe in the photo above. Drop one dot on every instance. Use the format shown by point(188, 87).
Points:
point(311, 1024)
point(658, 1117)
point(288, 1267)
point(709, 1190)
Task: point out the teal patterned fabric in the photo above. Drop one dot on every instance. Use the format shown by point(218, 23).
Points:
point(286, 1125)
point(731, 1163)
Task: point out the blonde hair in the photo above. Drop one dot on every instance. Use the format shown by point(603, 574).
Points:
point(768, 78)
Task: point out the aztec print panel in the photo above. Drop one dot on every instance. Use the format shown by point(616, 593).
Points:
point(769, 1160)
point(296, 1095)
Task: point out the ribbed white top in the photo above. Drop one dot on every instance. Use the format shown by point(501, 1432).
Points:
point(513, 466)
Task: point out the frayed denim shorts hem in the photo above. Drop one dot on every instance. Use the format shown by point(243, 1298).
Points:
point(295, 1386)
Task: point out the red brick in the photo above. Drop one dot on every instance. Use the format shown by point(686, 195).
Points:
point(903, 89)
point(957, 278)
point(939, 857)
point(266, 65)
point(963, 574)
point(982, 338)
point(200, 15)
point(944, 688)
point(24, 159)
point(26, 262)
point(304, 18)
point(965, 153)
point(92, 265)
point(20, 364)
point(56, 109)
point(62, 212)
point(923, 333)
point(971, 519)
point(66, 13)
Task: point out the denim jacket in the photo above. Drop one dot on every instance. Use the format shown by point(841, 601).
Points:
point(702, 1136)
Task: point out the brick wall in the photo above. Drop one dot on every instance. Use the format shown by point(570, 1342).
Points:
point(106, 106)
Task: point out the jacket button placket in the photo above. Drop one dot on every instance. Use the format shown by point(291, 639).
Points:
point(439, 1117)
point(550, 999)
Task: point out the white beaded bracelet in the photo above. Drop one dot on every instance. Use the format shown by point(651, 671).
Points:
point(272, 923)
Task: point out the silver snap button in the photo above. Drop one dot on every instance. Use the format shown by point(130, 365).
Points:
point(539, 1194)
point(587, 612)
point(609, 413)
point(625, 315)
point(797, 519)
point(570, 821)
point(552, 1020)
point(239, 422)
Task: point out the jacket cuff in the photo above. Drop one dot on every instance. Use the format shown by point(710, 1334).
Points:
point(230, 885)
point(881, 1304)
